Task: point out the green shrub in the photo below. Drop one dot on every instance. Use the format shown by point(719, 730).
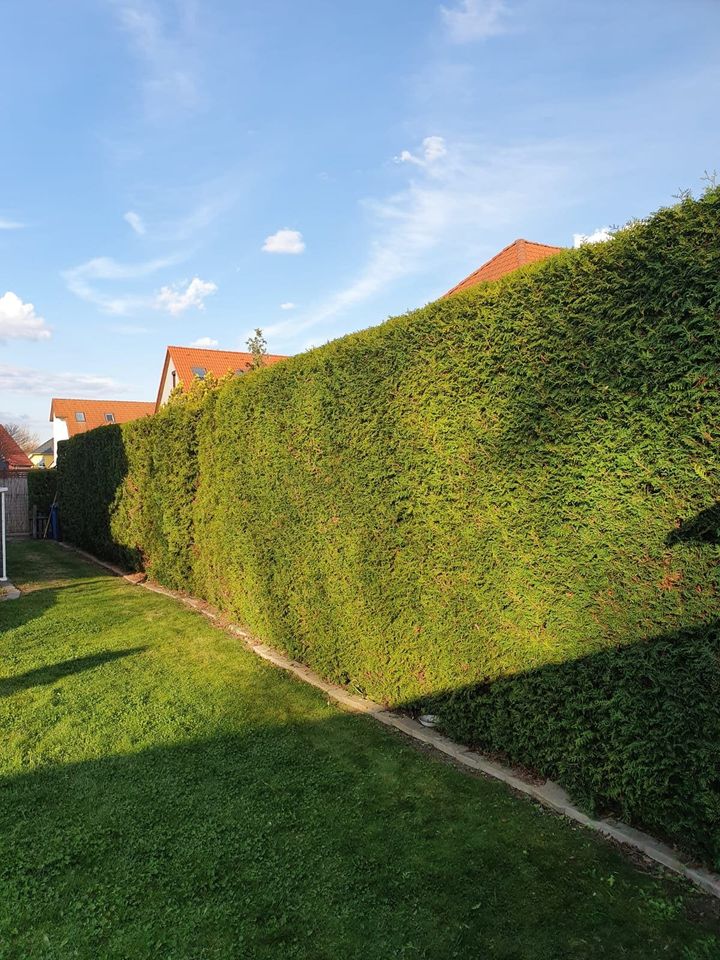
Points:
point(42, 487)
point(484, 508)
point(154, 512)
point(91, 468)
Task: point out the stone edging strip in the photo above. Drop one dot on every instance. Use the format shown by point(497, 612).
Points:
point(550, 794)
point(8, 591)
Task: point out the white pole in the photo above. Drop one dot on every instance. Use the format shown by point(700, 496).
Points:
point(3, 491)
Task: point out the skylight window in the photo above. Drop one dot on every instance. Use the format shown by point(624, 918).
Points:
point(199, 372)
point(109, 418)
point(80, 416)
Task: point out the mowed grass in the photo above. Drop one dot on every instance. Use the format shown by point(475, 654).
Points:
point(165, 794)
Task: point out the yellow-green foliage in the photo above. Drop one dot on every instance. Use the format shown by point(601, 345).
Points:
point(501, 507)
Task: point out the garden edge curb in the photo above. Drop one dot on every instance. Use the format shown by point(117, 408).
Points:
point(549, 794)
point(8, 591)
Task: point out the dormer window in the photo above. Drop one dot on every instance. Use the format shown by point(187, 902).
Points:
point(199, 372)
point(109, 418)
point(80, 416)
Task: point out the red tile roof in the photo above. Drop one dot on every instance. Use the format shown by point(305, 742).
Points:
point(95, 410)
point(217, 362)
point(515, 255)
point(12, 453)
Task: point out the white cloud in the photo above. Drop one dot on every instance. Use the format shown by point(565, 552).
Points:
point(287, 306)
point(135, 221)
point(599, 236)
point(433, 149)
point(205, 343)
point(164, 37)
point(80, 280)
point(10, 224)
point(18, 320)
point(475, 19)
point(448, 205)
point(176, 300)
point(24, 380)
point(284, 241)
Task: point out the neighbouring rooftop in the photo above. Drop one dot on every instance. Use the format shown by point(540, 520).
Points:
point(515, 255)
point(82, 415)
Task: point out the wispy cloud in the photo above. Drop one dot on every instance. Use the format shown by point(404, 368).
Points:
point(597, 236)
point(18, 320)
point(135, 221)
point(287, 306)
point(10, 224)
point(205, 343)
point(39, 426)
point(83, 281)
point(26, 380)
point(163, 38)
point(179, 214)
point(433, 149)
point(446, 207)
point(177, 300)
point(475, 19)
point(284, 241)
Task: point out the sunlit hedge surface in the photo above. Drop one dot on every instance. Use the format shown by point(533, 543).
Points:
point(500, 508)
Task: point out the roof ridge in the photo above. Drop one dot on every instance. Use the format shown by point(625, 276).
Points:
point(550, 246)
point(521, 250)
point(96, 400)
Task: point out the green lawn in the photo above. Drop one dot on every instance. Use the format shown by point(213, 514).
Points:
point(165, 794)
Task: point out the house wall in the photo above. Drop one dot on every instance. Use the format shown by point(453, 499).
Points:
point(167, 386)
point(60, 432)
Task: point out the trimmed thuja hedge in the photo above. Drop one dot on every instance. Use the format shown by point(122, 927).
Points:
point(501, 508)
point(42, 488)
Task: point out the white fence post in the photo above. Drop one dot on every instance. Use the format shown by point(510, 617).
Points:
point(3, 491)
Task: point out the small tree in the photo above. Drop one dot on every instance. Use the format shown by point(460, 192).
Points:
point(22, 436)
point(257, 345)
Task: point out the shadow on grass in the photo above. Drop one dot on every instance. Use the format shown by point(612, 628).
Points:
point(43, 676)
point(317, 840)
point(632, 731)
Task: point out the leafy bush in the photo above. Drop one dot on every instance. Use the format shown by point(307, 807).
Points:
point(490, 507)
point(42, 487)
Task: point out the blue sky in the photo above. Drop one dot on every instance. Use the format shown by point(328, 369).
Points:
point(176, 171)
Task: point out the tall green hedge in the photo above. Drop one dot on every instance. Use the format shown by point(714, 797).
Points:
point(501, 507)
point(42, 488)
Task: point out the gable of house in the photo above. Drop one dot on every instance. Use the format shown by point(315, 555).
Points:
point(42, 456)
point(182, 364)
point(515, 255)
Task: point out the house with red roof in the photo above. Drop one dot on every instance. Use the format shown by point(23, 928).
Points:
point(183, 364)
point(72, 416)
point(13, 458)
point(14, 468)
point(517, 254)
